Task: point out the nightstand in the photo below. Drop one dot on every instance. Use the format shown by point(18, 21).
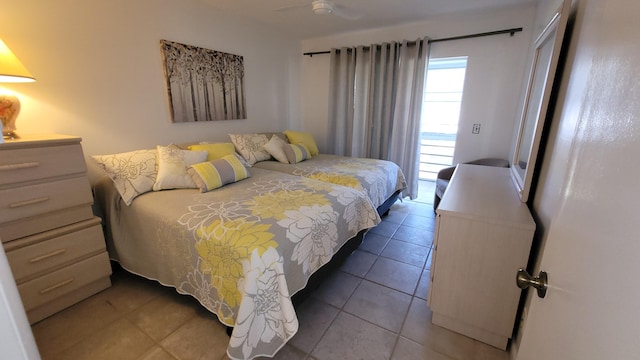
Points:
point(54, 243)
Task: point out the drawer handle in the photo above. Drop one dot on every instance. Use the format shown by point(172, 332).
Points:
point(46, 256)
point(26, 165)
point(29, 202)
point(56, 286)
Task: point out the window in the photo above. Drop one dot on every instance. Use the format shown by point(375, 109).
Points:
point(440, 114)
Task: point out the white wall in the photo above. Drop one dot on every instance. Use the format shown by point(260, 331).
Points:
point(493, 82)
point(99, 70)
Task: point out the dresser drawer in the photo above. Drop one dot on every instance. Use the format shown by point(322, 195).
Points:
point(53, 253)
point(44, 222)
point(19, 165)
point(32, 200)
point(44, 289)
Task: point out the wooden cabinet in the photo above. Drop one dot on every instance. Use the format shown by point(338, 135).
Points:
point(483, 235)
point(54, 243)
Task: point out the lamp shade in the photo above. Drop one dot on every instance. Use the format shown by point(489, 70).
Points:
point(11, 69)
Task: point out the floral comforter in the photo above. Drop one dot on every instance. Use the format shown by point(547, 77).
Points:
point(378, 179)
point(241, 250)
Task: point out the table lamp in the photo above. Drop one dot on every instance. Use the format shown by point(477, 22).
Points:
point(11, 70)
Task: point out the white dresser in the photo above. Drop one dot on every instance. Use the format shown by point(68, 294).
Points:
point(54, 243)
point(483, 235)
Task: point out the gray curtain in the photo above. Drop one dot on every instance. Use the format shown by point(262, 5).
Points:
point(375, 102)
point(341, 100)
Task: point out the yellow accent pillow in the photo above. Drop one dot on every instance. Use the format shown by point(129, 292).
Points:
point(217, 173)
point(216, 150)
point(303, 138)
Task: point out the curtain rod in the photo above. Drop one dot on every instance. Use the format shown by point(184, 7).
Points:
point(490, 33)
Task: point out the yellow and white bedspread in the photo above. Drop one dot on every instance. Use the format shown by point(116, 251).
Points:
point(378, 179)
point(241, 250)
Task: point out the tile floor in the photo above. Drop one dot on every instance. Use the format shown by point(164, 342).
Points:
point(373, 307)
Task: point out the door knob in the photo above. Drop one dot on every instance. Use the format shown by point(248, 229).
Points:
point(524, 280)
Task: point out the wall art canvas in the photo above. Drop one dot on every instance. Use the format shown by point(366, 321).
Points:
point(203, 84)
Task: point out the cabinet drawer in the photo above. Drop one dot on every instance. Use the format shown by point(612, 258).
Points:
point(37, 258)
point(26, 201)
point(41, 290)
point(41, 223)
point(19, 165)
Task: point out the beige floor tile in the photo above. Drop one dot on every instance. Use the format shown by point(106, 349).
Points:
point(418, 321)
point(420, 220)
point(405, 252)
point(314, 317)
point(394, 217)
point(418, 327)
point(385, 228)
point(130, 291)
point(380, 305)
point(427, 266)
point(337, 288)
point(287, 353)
point(414, 235)
point(120, 340)
point(74, 324)
point(423, 285)
point(395, 274)
point(409, 350)
point(483, 351)
point(163, 315)
point(423, 209)
point(374, 243)
point(156, 353)
point(358, 263)
point(202, 338)
point(352, 338)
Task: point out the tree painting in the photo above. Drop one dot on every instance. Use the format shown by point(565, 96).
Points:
point(203, 84)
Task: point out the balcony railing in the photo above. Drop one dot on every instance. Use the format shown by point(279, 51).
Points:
point(436, 152)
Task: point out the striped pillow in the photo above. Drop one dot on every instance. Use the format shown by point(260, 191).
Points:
point(296, 153)
point(303, 138)
point(214, 174)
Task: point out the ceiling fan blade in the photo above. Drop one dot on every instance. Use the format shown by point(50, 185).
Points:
point(290, 7)
point(346, 12)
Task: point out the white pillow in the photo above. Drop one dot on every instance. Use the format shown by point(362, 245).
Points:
point(133, 173)
point(172, 167)
point(275, 147)
point(251, 147)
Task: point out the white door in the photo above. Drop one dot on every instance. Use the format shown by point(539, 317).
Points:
point(589, 192)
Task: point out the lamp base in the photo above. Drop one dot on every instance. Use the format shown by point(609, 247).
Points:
point(10, 135)
point(9, 110)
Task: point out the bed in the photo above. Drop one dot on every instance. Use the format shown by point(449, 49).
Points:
point(380, 180)
point(241, 250)
point(245, 248)
point(296, 153)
